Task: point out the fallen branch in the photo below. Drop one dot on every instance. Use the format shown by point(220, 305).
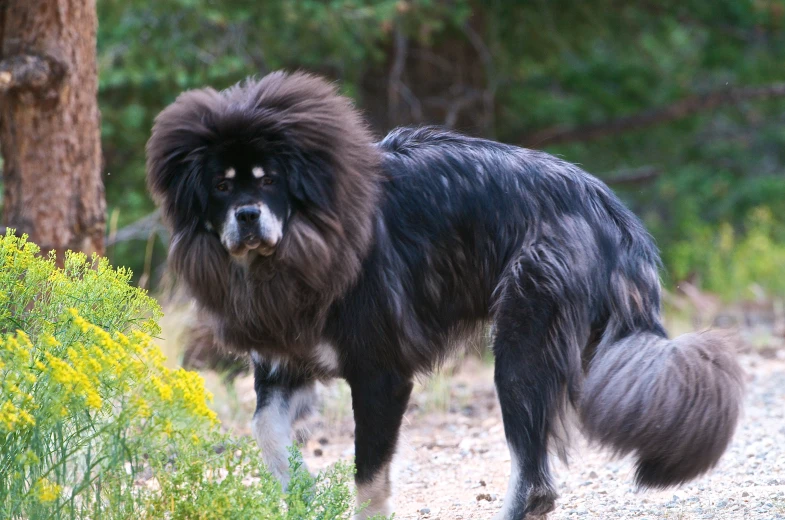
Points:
point(139, 230)
point(678, 110)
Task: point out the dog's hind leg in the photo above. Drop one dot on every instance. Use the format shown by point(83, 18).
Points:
point(282, 397)
point(379, 400)
point(536, 357)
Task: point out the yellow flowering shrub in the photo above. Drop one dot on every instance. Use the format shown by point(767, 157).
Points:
point(85, 392)
point(94, 425)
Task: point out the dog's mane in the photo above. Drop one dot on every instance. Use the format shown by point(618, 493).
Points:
point(332, 176)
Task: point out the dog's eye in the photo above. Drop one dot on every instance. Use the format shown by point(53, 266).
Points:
point(267, 181)
point(222, 186)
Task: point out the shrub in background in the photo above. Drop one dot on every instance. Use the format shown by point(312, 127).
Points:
point(736, 266)
point(94, 425)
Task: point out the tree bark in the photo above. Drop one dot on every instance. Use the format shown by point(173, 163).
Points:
point(49, 124)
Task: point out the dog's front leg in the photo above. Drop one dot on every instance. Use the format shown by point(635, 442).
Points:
point(379, 400)
point(282, 397)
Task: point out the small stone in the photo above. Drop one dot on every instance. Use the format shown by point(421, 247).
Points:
point(745, 494)
point(425, 510)
point(482, 483)
point(323, 441)
point(318, 452)
point(593, 474)
point(722, 503)
point(485, 496)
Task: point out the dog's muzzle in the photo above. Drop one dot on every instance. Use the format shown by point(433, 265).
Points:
point(248, 226)
point(252, 228)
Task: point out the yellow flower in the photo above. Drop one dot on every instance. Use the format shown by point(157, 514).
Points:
point(14, 418)
point(80, 322)
point(164, 390)
point(49, 341)
point(26, 418)
point(46, 491)
point(19, 352)
point(9, 415)
point(24, 338)
point(94, 400)
point(28, 458)
point(142, 408)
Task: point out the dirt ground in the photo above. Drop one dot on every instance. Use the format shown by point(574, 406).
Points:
point(453, 462)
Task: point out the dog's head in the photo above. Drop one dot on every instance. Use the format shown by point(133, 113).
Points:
point(282, 167)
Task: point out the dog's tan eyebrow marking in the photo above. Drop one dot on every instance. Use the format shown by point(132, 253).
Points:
point(230, 173)
point(258, 172)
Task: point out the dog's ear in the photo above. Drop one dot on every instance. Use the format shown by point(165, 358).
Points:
point(310, 181)
point(175, 155)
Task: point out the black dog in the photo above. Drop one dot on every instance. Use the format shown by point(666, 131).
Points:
point(325, 254)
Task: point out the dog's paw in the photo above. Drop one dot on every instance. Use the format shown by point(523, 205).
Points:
point(539, 503)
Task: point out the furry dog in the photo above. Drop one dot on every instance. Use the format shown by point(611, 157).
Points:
point(325, 254)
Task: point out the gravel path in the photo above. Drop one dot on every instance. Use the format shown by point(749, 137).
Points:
point(454, 464)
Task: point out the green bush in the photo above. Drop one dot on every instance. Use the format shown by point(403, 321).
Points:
point(94, 425)
point(735, 265)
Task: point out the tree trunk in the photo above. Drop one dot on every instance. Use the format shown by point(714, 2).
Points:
point(49, 124)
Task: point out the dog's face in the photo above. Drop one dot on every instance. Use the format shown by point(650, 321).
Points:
point(248, 203)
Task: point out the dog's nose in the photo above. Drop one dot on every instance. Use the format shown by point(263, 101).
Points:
point(247, 214)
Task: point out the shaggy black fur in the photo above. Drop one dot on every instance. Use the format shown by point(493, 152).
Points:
point(397, 251)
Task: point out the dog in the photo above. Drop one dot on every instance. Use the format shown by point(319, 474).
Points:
point(326, 254)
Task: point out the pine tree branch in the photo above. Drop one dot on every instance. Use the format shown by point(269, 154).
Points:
point(678, 110)
point(632, 176)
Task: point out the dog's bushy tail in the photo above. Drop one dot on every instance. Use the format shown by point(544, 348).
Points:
point(671, 403)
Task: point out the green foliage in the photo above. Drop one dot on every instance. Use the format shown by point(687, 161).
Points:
point(231, 483)
point(36, 293)
point(732, 265)
point(94, 425)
